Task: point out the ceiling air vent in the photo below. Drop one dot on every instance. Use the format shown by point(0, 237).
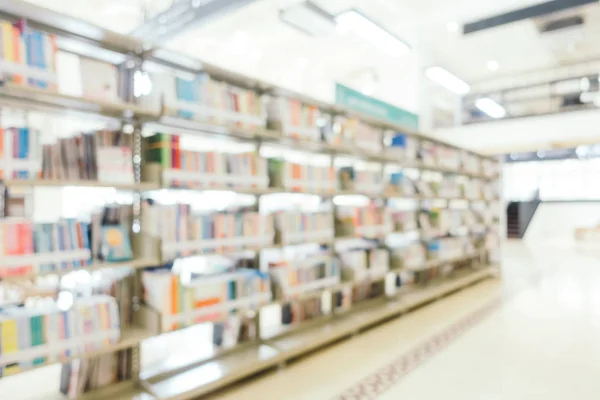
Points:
point(564, 23)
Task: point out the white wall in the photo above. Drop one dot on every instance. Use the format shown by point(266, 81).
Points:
point(526, 134)
point(555, 223)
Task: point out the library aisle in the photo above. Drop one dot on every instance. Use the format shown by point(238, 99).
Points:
point(532, 335)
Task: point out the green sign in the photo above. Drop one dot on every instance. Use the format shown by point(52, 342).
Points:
point(354, 100)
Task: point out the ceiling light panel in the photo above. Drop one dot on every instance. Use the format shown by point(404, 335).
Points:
point(490, 107)
point(352, 21)
point(448, 80)
point(309, 18)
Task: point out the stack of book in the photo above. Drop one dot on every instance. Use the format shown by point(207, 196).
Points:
point(470, 162)
point(32, 337)
point(368, 138)
point(473, 189)
point(401, 184)
point(205, 99)
point(86, 375)
point(296, 278)
point(27, 56)
point(361, 180)
point(25, 245)
point(447, 248)
point(429, 153)
point(301, 177)
point(19, 153)
point(448, 188)
point(200, 170)
point(303, 227)
point(183, 233)
point(103, 156)
point(358, 265)
point(448, 157)
point(403, 147)
point(490, 167)
point(404, 221)
point(208, 297)
point(426, 189)
point(296, 119)
point(338, 132)
point(370, 221)
point(298, 311)
point(490, 190)
point(410, 256)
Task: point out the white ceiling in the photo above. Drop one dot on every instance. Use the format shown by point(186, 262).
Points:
point(422, 23)
point(253, 41)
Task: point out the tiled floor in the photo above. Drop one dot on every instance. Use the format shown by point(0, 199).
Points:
point(542, 341)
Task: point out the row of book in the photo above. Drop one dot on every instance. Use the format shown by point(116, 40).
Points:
point(360, 180)
point(104, 156)
point(301, 177)
point(204, 98)
point(27, 56)
point(205, 298)
point(21, 238)
point(293, 277)
point(297, 227)
point(32, 337)
point(359, 265)
point(370, 221)
point(182, 232)
point(28, 248)
point(19, 153)
point(195, 169)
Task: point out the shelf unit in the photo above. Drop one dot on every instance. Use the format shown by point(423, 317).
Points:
point(290, 342)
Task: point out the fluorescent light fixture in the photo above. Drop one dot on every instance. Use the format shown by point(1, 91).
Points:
point(308, 18)
point(355, 22)
point(490, 107)
point(89, 50)
point(444, 78)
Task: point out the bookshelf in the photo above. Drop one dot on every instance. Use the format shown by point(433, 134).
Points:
point(320, 292)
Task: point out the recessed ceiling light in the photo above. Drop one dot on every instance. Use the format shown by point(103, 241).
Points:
point(452, 26)
point(493, 65)
point(446, 79)
point(490, 107)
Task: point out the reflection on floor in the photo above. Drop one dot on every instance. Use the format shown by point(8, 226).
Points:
point(540, 342)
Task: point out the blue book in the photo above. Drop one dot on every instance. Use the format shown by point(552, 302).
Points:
point(399, 140)
point(187, 91)
point(29, 53)
point(41, 48)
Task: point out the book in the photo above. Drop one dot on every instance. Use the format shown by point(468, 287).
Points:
point(52, 333)
point(200, 170)
point(182, 304)
point(28, 56)
point(304, 227)
point(99, 156)
point(116, 244)
point(184, 233)
point(301, 177)
point(19, 237)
